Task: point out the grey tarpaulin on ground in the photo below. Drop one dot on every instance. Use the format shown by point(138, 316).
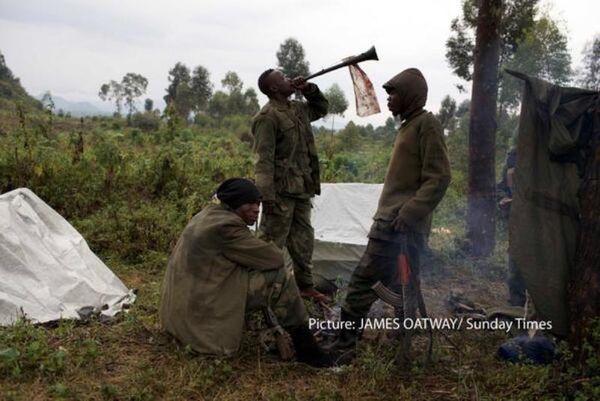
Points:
point(47, 270)
point(544, 218)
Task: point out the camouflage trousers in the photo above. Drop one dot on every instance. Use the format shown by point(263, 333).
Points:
point(276, 289)
point(378, 263)
point(289, 226)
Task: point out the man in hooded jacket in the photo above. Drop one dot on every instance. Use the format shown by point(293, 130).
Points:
point(219, 271)
point(416, 180)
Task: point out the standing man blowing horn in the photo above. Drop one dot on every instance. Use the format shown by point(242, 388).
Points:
point(287, 169)
point(416, 180)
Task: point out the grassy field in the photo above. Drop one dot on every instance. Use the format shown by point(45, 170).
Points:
point(130, 193)
point(132, 359)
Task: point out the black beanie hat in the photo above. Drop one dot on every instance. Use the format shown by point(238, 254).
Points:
point(235, 192)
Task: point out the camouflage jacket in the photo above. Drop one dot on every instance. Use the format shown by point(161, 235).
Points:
point(203, 297)
point(286, 157)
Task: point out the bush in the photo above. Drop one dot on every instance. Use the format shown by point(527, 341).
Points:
point(147, 121)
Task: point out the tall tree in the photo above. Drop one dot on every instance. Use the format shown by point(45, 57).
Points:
point(542, 52)
point(201, 87)
point(48, 102)
point(234, 100)
point(481, 211)
point(447, 111)
point(131, 87)
point(251, 105)
point(183, 101)
point(338, 104)
point(589, 75)
point(290, 59)
point(178, 74)
point(218, 105)
point(110, 91)
point(148, 105)
point(517, 16)
point(234, 85)
point(134, 85)
point(232, 82)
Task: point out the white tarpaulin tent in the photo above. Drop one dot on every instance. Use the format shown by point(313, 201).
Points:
point(342, 216)
point(47, 270)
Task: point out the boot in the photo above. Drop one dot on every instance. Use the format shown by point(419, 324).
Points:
point(347, 336)
point(307, 349)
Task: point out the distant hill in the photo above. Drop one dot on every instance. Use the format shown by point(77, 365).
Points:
point(77, 109)
point(11, 91)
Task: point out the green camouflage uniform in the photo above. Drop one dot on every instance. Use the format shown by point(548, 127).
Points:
point(416, 180)
point(287, 174)
point(276, 289)
point(218, 272)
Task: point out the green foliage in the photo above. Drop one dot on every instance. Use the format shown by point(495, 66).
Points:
point(455, 120)
point(131, 87)
point(338, 103)
point(459, 50)
point(589, 75)
point(542, 52)
point(353, 155)
point(188, 92)
point(112, 91)
point(234, 101)
point(134, 85)
point(183, 101)
point(517, 17)
point(26, 349)
point(530, 43)
point(11, 91)
point(148, 105)
point(147, 121)
point(290, 59)
point(179, 74)
point(232, 82)
point(201, 87)
point(446, 112)
point(5, 72)
point(60, 390)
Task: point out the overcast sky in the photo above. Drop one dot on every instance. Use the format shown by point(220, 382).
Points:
point(72, 47)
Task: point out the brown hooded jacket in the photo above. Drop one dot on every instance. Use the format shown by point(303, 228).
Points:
point(419, 171)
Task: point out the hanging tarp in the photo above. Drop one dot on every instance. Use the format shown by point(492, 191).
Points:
point(544, 218)
point(47, 270)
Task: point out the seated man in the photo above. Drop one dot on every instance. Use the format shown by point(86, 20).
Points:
point(219, 271)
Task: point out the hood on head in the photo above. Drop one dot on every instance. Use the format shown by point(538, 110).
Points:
point(411, 85)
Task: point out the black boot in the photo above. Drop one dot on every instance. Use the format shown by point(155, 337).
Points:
point(348, 334)
point(307, 349)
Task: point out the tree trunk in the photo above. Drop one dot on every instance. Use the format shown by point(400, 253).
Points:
point(481, 212)
point(584, 289)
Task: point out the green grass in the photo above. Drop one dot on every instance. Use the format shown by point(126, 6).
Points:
point(132, 359)
point(130, 193)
